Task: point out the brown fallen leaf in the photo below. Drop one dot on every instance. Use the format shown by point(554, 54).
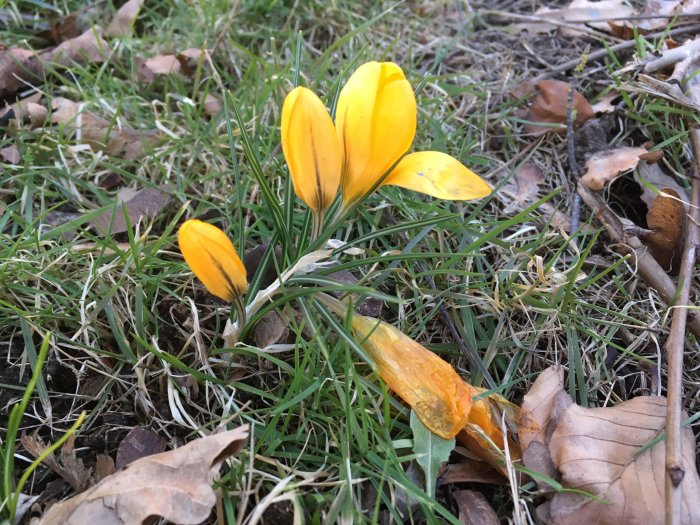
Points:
point(474, 508)
point(137, 205)
point(528, 178)
point(212, 105)
point(174, 485)
point(122, 25)
point(550, 106)
point(61, 29)
point(666, 221)
point(99, 133)
point(190, 59)
point(599, 450)
point(161, 65)
point(21, 66)
point(138, 443)
point(605, 104)
point(604, 166)
point(11, 154)
point(269, 330)
point(471, 471)
point(104, 466)
point(67, 464)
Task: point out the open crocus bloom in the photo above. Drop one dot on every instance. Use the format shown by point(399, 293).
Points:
point(212, 258)
point(375, 126)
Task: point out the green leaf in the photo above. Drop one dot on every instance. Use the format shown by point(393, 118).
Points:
point(431, 451)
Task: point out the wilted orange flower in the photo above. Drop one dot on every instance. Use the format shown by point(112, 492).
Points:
point(211, 256)
point(440, 398)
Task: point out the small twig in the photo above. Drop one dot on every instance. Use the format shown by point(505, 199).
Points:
point(554, 22)
point(571, 153)
point(675, 345)
point(647, 267)
point(674, 354)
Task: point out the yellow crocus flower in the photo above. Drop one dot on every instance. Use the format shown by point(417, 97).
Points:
point(212, 258)
point(376, 124)
point(311, 149)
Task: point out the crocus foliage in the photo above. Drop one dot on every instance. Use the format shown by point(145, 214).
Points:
point(374, 128)
point(211, 256)
point(443, 401)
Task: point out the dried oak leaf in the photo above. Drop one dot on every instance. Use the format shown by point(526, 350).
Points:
point(599, 450)
point(19, 66)
point(550, 106)
point(136, 204)
point(122, 25)
point(666, 221)
point(174, 485)
point(99, 133)
point(604, 166)
point(528, 179)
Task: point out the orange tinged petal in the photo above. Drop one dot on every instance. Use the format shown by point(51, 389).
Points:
point(212, 258)
point(311, 148)
point(440, 398)
point(376, 121)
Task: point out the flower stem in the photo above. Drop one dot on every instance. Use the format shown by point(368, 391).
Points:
point(317, 226)
point(240, 311)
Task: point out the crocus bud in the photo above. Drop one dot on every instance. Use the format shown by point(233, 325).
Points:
point(212, 258)
point(440, 398)
point(311, 148)
point(376, 121)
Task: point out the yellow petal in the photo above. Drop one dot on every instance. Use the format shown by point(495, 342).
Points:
point(440, 398)
point(376, 121)
point(439, 175)
point(212, 258)
point(311, 148)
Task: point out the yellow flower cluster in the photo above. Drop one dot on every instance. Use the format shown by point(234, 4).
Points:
point(365, 148)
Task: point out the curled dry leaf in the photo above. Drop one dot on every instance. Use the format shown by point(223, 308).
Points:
point(190, 59)
point(212, 105)
point(99, 133)
point(174, 485)
point(550, 106)
point(67, 464)
point(20, 66)
point(666, 219)
point(604, 166)
point(599, 450)
point(472, 471)
point(122, 25)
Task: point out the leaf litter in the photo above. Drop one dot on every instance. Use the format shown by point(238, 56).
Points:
point(174, 485)
point(606, 452)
